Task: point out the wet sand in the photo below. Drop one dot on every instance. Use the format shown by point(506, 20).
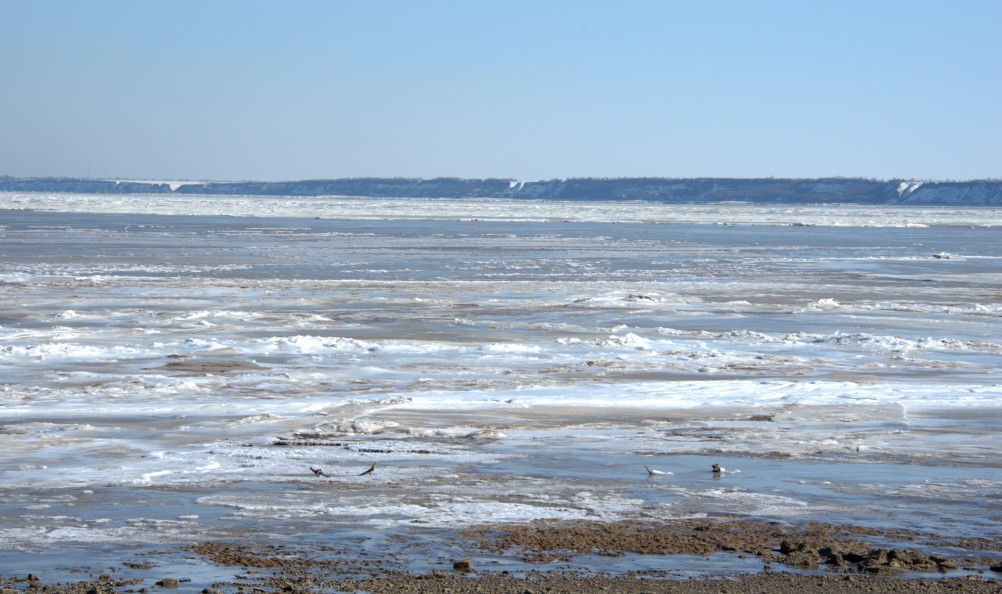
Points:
point(566, 583)
point(812, 557)
point(773, 584)
point(809, 546)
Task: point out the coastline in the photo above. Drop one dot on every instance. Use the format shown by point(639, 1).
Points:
point(570, 583)
point(552, 557)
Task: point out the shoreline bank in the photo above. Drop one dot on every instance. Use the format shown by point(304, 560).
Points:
point(551, 557)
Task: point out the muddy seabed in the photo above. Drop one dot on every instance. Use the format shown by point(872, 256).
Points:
point(547, 556)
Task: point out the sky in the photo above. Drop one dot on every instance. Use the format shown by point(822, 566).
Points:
point(516, 89)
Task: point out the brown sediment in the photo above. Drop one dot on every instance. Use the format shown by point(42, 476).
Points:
point(553, 583)
point(840, 559)
point(33, 583)
point(201, 366)
point(811, 545)
point(849, 551)
point(257, 555)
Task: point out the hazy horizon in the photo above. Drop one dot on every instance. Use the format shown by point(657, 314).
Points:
point(162, 179)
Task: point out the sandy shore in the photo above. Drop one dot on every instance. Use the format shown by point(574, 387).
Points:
point(759, 584)
point(811, 557)
point(553, 584)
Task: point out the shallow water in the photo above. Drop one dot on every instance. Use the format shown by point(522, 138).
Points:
point(171, 369)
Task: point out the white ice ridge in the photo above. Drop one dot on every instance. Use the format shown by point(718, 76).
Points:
point(645, 395)
point(690, 394)
point(473, 209)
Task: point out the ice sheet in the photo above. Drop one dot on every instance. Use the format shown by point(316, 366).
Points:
point(171, 368)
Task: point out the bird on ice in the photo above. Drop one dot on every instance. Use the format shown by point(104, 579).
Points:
point(718, 469)
point(318, 471)
point(657, 472)
point(371, 469)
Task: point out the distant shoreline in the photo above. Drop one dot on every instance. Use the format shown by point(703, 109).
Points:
point(645, 189)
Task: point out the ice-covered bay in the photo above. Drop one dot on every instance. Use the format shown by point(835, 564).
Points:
point(171, 368)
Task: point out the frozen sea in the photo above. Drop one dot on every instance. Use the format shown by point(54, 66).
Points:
point(171, 368)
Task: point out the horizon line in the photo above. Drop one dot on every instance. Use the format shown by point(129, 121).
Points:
point(164, 180)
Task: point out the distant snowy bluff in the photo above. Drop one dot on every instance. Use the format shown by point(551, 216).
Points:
point(680, 191)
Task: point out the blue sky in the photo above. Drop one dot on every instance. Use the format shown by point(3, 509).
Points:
point(519, 89)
